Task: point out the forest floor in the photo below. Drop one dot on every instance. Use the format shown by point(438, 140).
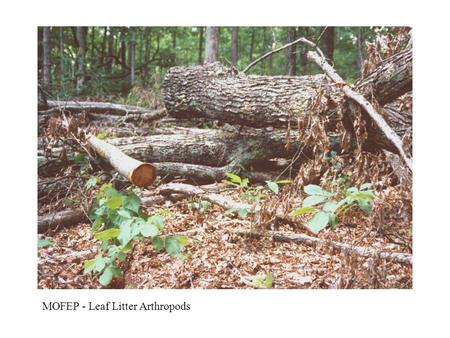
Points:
point(217, 258)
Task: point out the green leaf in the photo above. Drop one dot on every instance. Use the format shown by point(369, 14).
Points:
point(125, 232)
point(114, 202)
point(332, 220)
point(116, 271)
point(92, 182)
point(183, 240)
point(351, 191)
point(99, 264)
point(273, 186)
point(106, 277)
point(157, 220)
point(243, 212)
point(233, 177)
point(149, 229)
point(330, 206)
point(364, 195)
point(313, 189)
point(318, 222)
point(158, 243)
point(302, 210)
point(124, 213)
point(313, 200)
point(132, 202)
point(173, 246)
point(88, 265)
point(268, 281)
point(107, 234)
point(244, 182)
point(97, 224)
point(43, 243)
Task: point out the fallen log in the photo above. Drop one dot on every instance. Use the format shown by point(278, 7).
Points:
point(282, 236)
point(138, 173)
point(94, 107)
point(215, 92)
point(63, 218)
point(202, 154)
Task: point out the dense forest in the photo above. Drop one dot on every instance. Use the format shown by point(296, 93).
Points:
point(224, 157)
point(79, 61)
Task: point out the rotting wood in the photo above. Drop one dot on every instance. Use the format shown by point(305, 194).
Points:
point(138, 173)
point(63, 218)
point(399, 257)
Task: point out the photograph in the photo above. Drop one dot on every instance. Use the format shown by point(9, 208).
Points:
point(224, 157)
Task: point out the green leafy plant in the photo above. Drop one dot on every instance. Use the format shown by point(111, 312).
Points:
point(330, 208)
point(275, 186)
point(201, 206)
point(118, 221)
point(264, 281)
point(236, 180)
point(44, 243)
point(82, 160)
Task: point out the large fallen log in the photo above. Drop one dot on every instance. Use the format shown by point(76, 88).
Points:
point(216, 92)
point(138, 173)
point(202, 154)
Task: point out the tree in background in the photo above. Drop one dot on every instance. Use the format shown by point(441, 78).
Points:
point(291, 52)
point(47, 71)
point(212, 44)
point(234, 45)
point(200, 44)
point(327, 43)
point(81, 54)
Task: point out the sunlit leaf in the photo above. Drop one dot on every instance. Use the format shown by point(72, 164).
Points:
point(313, 200)
point(318, 222)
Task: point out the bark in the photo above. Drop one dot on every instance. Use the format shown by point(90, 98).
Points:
point(81, 53)
point(213, 91)
point(109, 63)
point(46, 74)
point(234, 45)
point(282, 236)
point(212, 44)
point(391, 79)
point(291, 56)
point(137, 172)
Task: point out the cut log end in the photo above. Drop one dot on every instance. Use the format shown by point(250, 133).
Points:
point(143, 175)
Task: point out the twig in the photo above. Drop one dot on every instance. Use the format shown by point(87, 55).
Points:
point(364, 103)
point(302, 40)
point(71, 255)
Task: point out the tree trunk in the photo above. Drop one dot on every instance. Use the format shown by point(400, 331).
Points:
point(212, 44)
point(327, 44)
point(252, 44)
point(200, 45)
point(61, 56)
point(360, 45)
point(109, 63)
point(291, 55)
point(81, 54)
point(132, 57)
point(234, 45)
point(46, 75)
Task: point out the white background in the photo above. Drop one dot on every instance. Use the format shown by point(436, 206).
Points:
point(257, 313)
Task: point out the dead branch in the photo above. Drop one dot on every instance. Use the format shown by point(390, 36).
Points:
point(302, 40)
point(364, 103)
point(281, 236)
